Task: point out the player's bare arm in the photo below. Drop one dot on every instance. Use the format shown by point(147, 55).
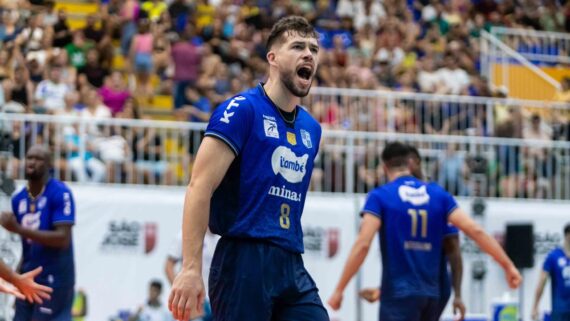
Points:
point(452, 251)
point(538, 293)
point(212, 162)
point(488, 244)
point(368, 228)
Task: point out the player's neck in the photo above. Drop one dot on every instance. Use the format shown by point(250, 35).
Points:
point(567, 248)
point(280, 95)
point(36, 186)
point(392, 176)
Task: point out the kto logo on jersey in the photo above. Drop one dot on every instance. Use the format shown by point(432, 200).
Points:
point(415, 196)
point(233, 104)
point(270, 126)
point(285, 162)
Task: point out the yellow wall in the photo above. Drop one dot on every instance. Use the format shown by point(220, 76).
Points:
point(523, 83)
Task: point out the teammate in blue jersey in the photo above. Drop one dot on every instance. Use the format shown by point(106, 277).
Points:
point(250, 181)
point(412, 216)
point(451, 251)
point(557, 267)
point(43, 215)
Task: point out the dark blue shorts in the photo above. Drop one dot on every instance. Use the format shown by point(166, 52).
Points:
point(56, 309)
point(560, 316)
point(258, 281)
point(410, 309)
point(445, 294)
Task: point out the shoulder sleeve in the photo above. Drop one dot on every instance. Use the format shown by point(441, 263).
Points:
point(449, 202)
point(373, 204)
point(63, 207)
point(319, 135)
point(450, 230)
point(231, 122)
point(549, 263)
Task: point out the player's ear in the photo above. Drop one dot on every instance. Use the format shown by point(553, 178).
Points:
point(271, 57)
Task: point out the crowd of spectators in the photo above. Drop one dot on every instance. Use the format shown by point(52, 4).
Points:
point(200, 52)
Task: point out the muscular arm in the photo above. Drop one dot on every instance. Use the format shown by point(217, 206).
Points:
point(488, 244)
point(368, 228)
point(212, 162)
point(453, 252)
point(59, 238)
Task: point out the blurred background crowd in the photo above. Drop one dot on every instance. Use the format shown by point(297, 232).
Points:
point(178, 59)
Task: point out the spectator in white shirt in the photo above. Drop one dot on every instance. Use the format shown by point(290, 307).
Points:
point(153, 310)
point(369, 12)
point(428, 79)
point(51, 92)
point(455, 79)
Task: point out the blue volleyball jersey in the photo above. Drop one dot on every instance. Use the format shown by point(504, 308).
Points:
point(54, 206)
point(263, 192)
point(414, 219)
point(557, 265)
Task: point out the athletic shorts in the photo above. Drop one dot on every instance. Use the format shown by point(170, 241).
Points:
point(257, 281)
point(410, 309)
point(445, 294)
point(58, 308)
point(560, 316)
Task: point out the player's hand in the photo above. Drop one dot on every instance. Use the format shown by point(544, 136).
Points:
point(32, 291)
point(187, 295)
point(513, 277)
point(8, 288)
point(534, 315)
point(459, 308)
point(370, 294)
point(8, 221)
point(335, 301)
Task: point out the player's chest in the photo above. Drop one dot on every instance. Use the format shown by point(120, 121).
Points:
point(33, 214)
point(271, 134)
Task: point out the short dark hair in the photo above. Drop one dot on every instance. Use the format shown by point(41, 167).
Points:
point(396, 155)
point(567, 229)
point(156, 284)
point(414, 152)
point(287, 25)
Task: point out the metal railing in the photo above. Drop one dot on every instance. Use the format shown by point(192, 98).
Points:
point(383, 111)
point(539, 47)
point(503, 66)
point(161, 153)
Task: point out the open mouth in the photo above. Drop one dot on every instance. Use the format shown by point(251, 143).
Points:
point(305, 72)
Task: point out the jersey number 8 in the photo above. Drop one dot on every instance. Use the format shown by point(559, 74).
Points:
point(284, 217)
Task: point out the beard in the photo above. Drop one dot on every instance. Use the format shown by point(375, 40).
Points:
point(288, 79)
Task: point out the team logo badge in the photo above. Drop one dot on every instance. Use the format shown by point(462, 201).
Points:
point(292, 138)
point(42, 202)
point(270, 127)
point(562, 262)
point(22, 207)
point(306, 138)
